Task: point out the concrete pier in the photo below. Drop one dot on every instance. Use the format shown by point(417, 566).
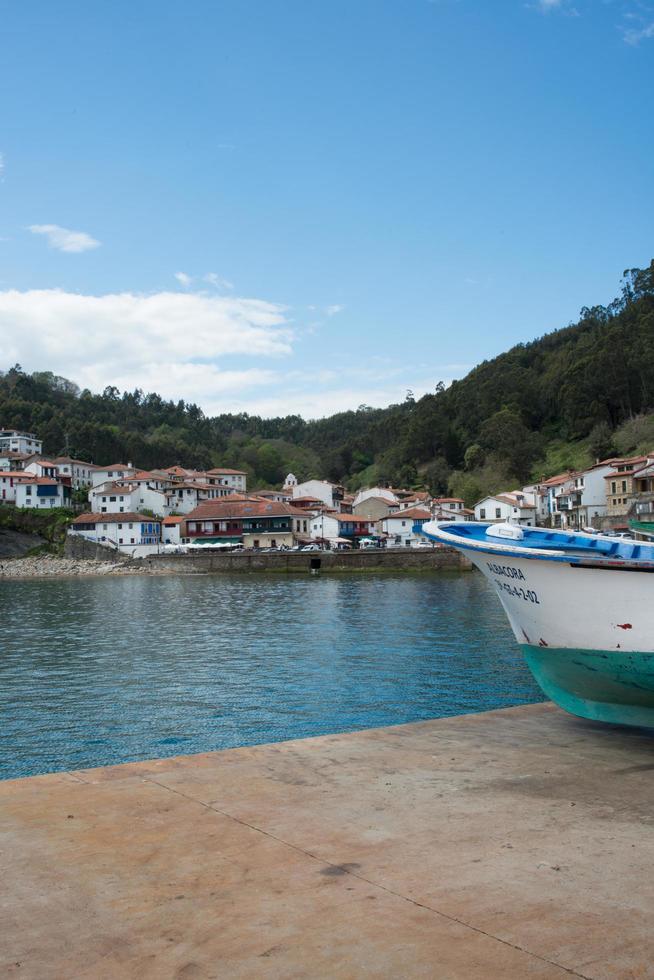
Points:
point(515, 843)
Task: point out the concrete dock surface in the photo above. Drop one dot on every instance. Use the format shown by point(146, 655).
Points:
point(515, 843)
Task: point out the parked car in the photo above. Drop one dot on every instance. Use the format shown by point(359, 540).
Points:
point(310, 547)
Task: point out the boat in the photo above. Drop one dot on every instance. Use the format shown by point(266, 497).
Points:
point(581, 607)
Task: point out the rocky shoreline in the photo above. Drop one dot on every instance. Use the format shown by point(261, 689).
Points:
point(49, 566)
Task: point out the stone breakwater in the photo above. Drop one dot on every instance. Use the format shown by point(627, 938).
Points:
point(48, 566)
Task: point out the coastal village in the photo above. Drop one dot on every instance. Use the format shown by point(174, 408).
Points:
point(143, 512)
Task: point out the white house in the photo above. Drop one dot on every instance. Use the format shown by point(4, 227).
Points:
point(338, 529)
point(236, 479)
point(582, 498)
point(172, 530)
point(43, 467)
point(76, 470)
point(512, 506)
point(13, 461)
point(13, 441)
point(399, 527)
point(331, 494)
point(133, 534)
point(182, 498)
point(42, 492)
point(121, 498)
point(453, 505)
point(381, 492)
point(9, 480)
point(110, 474)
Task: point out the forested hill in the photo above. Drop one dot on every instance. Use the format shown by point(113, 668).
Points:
point(557, 401)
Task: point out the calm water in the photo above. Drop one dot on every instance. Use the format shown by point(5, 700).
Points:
point(99, 671)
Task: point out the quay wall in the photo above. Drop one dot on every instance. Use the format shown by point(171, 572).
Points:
point(441, 559)
point(78, 547)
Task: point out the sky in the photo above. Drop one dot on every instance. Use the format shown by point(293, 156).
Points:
point(302, 206)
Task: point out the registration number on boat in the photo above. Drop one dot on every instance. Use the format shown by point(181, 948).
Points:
point(527, 594)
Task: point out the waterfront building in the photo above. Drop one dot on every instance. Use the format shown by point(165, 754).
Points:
point(333, 528)
point(173, 530)
point(131, 533)
point(403, 528)
point(14, 441)
point(515, 506)
point(254, 522)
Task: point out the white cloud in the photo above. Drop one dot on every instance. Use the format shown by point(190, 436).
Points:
point(167, 342)
point(215, 280)
point(64, 239)
point(334, 309)
point(184, 279)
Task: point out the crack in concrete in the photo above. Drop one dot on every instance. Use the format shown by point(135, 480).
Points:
point(346, 869)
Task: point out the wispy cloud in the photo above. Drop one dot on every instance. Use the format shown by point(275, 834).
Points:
point(65, 240)
point(334, 309)
point(215, 280)
point(634, 35)
point(185, 280)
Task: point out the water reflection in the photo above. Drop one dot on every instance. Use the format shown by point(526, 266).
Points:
point(100, 671)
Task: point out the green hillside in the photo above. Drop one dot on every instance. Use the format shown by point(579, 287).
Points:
point(562, 400)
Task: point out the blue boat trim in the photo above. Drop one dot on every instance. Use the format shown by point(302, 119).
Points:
point(603, 685)
point(572, 548)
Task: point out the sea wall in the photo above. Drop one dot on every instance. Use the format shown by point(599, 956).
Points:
point(416, 560)
point(78, 547)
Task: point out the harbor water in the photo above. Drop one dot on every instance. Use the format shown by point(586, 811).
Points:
point(101, 671)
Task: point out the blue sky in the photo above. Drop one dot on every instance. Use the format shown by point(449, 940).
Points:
point(304, 205)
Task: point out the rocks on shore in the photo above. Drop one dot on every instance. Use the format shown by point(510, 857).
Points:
point(40, 566)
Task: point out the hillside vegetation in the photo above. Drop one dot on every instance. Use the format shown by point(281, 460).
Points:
point(581, 392)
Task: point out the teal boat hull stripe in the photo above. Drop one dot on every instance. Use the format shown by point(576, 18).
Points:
point(604, 685)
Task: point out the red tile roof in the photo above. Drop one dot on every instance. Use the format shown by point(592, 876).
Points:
point(413, 513)
point(226, 508)
point(223, 471)
point(129, 518)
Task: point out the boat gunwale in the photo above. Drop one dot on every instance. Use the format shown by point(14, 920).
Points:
point(588, 560)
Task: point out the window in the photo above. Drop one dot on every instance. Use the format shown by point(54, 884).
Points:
point(120, 527)
point(131, 540)
point(104, 527)
point(131, 526)
point(120, 540)
point(614, 486)
point(482, 512)
point(498, 512)
point(624, 486)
